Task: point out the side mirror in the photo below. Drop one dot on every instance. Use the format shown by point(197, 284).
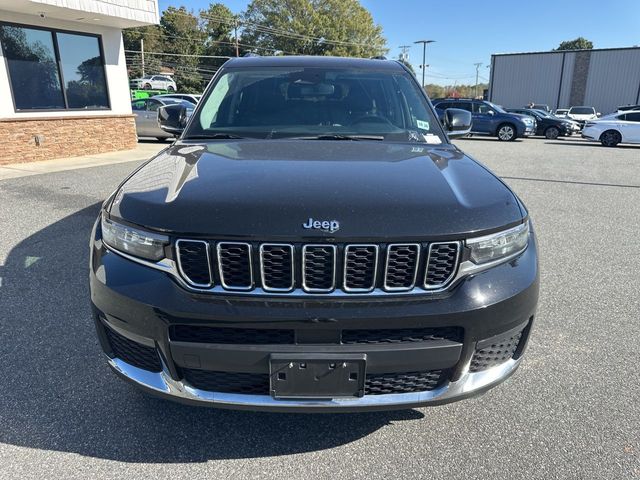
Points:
point(173, 118)
point(598, 114)
point(491, 112)
point(457, 122)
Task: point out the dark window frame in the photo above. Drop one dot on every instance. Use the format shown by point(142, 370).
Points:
point(58, 59)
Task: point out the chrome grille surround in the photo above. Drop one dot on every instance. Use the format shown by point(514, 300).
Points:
point(271, 269)
point(306, 272)
point(430, 261)
point(222, 265)
point(183, 269)
point(357, 263)
point(395, 247)
point(322, 269)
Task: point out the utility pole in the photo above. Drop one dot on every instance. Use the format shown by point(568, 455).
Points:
point(424, 56)
point(478, 65)
point(142, 54)
point(404, 56)
point(235, 35)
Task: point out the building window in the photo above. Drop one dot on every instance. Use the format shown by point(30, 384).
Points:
point(53, 70)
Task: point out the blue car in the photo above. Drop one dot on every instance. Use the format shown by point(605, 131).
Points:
point(490, 119)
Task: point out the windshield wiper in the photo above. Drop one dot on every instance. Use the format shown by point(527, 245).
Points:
point(340, 137)
point(214, 136)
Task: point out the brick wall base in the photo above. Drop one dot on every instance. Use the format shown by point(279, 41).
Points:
point(28, 140)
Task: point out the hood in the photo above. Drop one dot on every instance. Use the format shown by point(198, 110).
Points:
point(522, 116)
point(268, 189)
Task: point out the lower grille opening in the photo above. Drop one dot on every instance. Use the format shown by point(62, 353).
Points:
point(238, 336)
point(258, 383)
point(409, 382)
point(402, 335)
point(495, 354)
point(228, 382)
point(133, 353)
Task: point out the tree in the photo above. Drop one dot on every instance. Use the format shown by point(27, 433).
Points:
point(459, 91)
point(183, 36)
point(407, 64)
point(312, 27)
point(218, 24)
point(152, 36)
point(579, 43)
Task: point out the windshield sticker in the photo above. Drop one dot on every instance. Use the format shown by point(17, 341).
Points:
point(422, 125)
point(431, 138)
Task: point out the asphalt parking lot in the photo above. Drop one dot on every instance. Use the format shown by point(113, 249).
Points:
point(571, 411)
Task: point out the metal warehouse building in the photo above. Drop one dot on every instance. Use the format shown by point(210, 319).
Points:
point(601, 78)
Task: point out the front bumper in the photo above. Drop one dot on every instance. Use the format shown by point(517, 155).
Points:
point(142, 305)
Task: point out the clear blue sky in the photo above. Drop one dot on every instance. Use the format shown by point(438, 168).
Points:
point(465, 35)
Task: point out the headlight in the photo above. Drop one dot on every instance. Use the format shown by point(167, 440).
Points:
point(133, 240)
point(499, 245)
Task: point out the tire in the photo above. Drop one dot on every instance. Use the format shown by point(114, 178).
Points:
point(147, 86)
point(506, 132)
point(170, 88)
point(610, 138)
point(552, 133)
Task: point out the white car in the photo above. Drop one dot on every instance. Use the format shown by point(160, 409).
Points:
point(582, 114)
point(153, 82)
point(561, 112)
point(614, 129)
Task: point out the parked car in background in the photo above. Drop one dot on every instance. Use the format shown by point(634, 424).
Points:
point(614, 129)
point(547, 125)
point(489, 118)
point(561, 112)
point(626, 108)
point(582, 114)
point(154, 82)
point(145, 111)
point(540, 106)
point(181, 96)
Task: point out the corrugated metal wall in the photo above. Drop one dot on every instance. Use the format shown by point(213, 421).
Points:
point(613, 78)
point(520, 79)
point(565, 89)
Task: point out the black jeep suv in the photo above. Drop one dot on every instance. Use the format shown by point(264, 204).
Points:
point(313, 242)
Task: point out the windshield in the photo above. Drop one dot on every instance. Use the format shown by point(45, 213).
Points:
point(339, 103)
point(497, 108)
point(583, 110)
point(542, 113)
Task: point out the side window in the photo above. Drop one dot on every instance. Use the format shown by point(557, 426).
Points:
point(633, 117)
point(463, 106)
point(138, 105)
point(153, 105)
point(481, 108)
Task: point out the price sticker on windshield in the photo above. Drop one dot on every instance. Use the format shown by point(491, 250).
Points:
point(422, 125)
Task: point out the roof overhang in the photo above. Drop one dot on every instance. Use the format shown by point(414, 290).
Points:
point(107, 13)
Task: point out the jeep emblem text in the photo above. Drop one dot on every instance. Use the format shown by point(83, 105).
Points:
point(326, 225)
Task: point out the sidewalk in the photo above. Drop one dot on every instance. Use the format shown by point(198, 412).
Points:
point(143, 151)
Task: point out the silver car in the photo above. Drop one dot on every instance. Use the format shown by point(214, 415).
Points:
point(145, 111)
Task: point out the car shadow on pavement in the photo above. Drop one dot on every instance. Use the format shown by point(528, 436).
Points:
point(57, 392)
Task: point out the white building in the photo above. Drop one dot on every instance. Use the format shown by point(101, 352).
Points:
point(64, 89)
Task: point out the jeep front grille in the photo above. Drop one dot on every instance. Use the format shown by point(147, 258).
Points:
point(318, 268)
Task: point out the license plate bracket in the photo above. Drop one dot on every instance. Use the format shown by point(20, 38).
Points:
point(317, 376)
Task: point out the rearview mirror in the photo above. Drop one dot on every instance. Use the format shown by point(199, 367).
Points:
point(457, 123)
point(173, 118)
